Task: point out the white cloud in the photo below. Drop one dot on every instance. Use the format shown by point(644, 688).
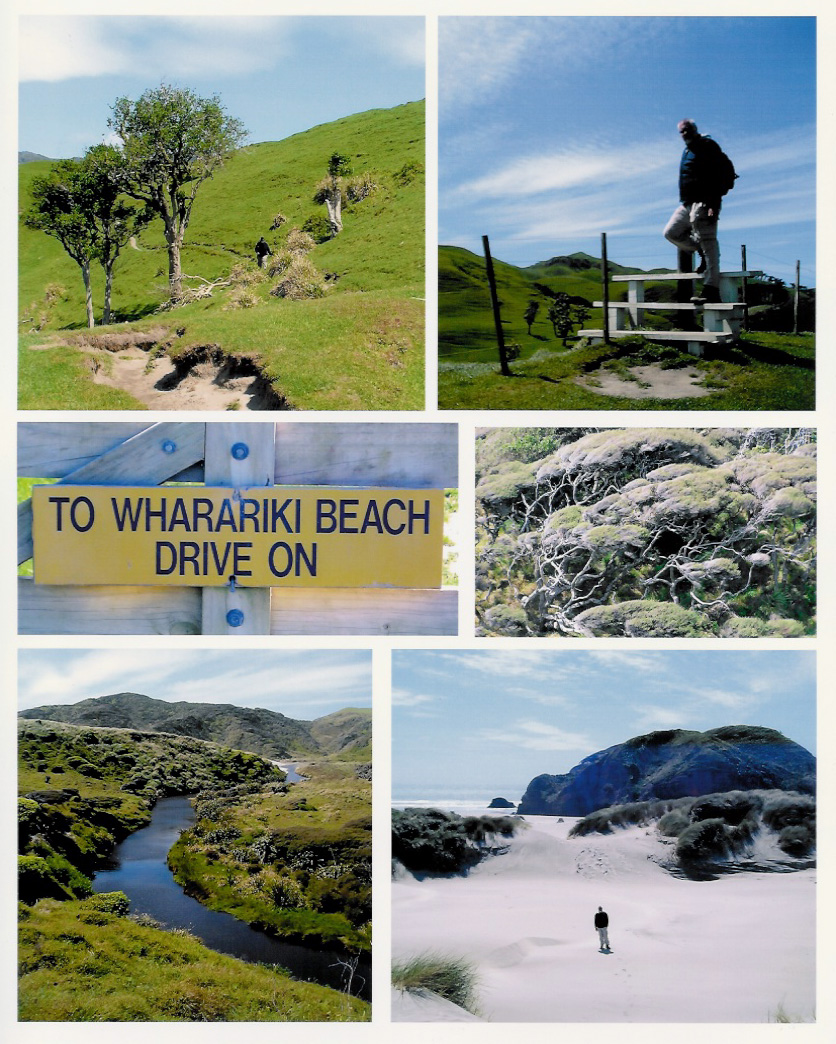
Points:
point(568, 168)
point(57, 48)
point(477, 56)
point(536, 735)
point(407, 698)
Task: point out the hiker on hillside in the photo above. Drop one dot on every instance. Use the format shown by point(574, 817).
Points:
point(262, 250)
point(602, 924)
point(705, 175)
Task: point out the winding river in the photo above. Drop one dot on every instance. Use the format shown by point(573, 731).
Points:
point(139, 869)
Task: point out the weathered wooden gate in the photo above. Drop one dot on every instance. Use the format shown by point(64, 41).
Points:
point(420, 456)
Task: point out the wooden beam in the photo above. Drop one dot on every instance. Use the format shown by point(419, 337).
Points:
point(387, 612)
point(402, 455)
point(107, 610)
point(241, 455)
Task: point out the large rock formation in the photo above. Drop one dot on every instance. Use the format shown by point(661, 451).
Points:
point(674, 763)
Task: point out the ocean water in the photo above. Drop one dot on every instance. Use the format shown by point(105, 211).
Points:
point(463, 798)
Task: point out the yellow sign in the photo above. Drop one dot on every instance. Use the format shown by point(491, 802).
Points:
point(281, 536)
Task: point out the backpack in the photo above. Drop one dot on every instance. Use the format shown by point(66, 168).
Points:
point(724, 172)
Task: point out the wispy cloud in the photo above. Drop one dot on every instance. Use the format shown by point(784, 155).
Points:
point(407, 698)
point(536, 735)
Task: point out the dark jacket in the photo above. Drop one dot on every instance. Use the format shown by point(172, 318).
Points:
point(698, 173)
point(601, 919)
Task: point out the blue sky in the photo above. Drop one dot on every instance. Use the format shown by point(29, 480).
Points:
point(301, 684)
point(494, 718)
point(278, 75)
point(554, 130)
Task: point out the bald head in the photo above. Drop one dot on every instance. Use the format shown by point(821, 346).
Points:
point(687, 128)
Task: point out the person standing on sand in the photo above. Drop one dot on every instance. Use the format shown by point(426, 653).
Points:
point(602, 922)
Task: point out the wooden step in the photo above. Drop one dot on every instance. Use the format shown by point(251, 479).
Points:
point(659, 277)
point(708, 336)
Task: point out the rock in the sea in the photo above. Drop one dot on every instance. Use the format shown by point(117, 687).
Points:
point(674, 763)
point(500, 802)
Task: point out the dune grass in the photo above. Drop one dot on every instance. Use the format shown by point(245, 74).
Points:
point(453, 978)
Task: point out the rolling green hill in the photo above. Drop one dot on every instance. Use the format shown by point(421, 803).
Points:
point(359, 346)
point(465, 320)
point(346, 732)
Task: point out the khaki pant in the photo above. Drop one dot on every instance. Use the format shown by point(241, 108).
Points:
point(691, 229)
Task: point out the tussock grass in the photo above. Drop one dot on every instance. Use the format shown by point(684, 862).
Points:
point(79, 963)
point(453, 978)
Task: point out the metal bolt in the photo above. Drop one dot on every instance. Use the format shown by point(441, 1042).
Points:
point(240, 451)
point(168, 446)
point(235, 617)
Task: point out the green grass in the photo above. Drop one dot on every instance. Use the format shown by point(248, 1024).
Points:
point(763, 372)
point(361, 346)
point(452, 978)
point(79, 964)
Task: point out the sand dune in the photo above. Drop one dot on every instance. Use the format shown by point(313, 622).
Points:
point(735, 949)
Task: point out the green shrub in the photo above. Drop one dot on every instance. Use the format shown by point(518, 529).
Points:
point(318, 227)
point(116, 903)
point(673, 823)
point(797, 841)
point(702, 841)
point(300, 281)
point(452, 978)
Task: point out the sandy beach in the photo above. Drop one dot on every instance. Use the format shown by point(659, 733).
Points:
point(740, 948)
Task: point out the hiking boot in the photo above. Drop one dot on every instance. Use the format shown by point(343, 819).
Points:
point(711, 294)
point(701, 265)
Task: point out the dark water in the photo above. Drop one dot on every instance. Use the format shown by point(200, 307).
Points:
point(140, 871)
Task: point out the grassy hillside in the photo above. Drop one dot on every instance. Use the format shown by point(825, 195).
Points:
point(85, 961)
point(264, 732)
point(360, 346)
point(465, 319)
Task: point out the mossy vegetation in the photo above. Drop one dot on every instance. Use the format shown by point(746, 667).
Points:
point(301, 868)
point(646, 532)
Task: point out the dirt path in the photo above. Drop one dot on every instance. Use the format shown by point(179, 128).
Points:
point(156, 383)
point(652, 382)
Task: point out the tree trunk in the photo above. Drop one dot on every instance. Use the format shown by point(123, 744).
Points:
point(175, 275)
point(108, 288)
point(88, 293)
point(334, 204)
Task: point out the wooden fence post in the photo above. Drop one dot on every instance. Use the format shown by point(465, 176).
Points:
point(497, 318)
point(242, 456)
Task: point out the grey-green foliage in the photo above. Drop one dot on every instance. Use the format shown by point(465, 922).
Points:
point(648, 532)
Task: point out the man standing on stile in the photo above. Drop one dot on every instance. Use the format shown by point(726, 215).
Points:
point(693, 225)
